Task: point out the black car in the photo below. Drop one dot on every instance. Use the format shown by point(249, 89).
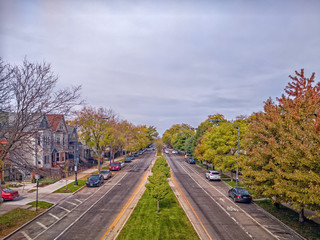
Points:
point(136, 154)
point(240, 195)
point(95, 180)
point(191, 160)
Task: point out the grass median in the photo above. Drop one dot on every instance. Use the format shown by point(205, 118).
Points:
point(70, 188)
point(170, 223)
point(14, 219)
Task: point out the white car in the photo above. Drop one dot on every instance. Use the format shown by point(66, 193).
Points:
point(213, 175)
point(122, 164)
point(174, 151)
point(166, 151)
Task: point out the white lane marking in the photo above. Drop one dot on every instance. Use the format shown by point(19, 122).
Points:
point(41, 225)
point(26, 235)
point(221, 199)
point(78, 200)
point(232, 209)
point(67, 210)
point(54, 216)
point(217, 202)
point(277, 237)
point(88, 209)
point(71, 203)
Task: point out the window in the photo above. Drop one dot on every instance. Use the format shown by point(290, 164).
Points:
point(46, 159)
point(58, 140)
point(58, 157)
point(38, 140)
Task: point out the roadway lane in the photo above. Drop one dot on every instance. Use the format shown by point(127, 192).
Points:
point(89, 213)
point(220, 216)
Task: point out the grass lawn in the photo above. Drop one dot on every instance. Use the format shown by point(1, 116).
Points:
point(170, 223)
point(47, 181)
point(16, 218)
point(308, 229)
point(41, 204)
point(70, 188)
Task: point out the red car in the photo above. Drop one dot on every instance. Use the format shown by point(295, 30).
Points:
point(8, 194)
point(116, 166)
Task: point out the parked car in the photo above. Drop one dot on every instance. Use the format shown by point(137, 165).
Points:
point(136, 154)
point(95, 180)
point(132, 157)
point(106, 174)
point(8, 194)
point(213, 175)
point(127, 160)
point(166, 151)
point(240, 195)
point(122, 164)
point(116, 166)
point(174, 151)
point(190, 160)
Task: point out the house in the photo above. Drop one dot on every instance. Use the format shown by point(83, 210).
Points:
point(59, 141)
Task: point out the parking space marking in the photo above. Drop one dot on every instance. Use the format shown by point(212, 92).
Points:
point(78, 200)
point(54, 216)
point(26, 235)
point(88, 209)
point(67, 210)
point(72, 203)
point(41, 225)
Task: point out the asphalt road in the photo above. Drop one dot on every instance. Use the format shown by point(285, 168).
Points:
point(89, 213)
point(216, 216)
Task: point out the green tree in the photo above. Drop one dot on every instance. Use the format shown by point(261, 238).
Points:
point(219, 145)
point(158, 185)
point(283, 147)
point(95, 129)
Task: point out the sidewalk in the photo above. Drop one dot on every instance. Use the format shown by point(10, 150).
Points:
point(44, 193)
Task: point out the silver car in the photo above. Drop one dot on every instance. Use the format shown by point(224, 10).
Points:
point(106, 174)
point(213, 175)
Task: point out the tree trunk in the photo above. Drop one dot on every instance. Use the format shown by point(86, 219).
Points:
point(277, 205)
point(301, 215)
point(157, 205)
point(231, 176)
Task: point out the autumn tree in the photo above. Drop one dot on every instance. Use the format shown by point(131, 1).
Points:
point(283, 147)
point(219, 145)
point(27, 93)
point(96, 128)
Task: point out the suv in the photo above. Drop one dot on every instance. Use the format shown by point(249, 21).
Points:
point(213, 175)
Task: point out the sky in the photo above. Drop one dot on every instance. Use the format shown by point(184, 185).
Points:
point(167, 62)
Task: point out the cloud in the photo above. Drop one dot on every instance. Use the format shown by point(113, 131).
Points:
point(166, 62)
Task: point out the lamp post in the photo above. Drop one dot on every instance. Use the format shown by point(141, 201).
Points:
point(76, 151)
point(37, 179)
point(237, 171)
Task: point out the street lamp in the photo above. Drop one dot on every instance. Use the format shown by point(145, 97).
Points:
point(76, 151)
point(126, 141)
point(237, 171)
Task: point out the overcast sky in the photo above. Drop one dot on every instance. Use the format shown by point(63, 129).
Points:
point(165, 62)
